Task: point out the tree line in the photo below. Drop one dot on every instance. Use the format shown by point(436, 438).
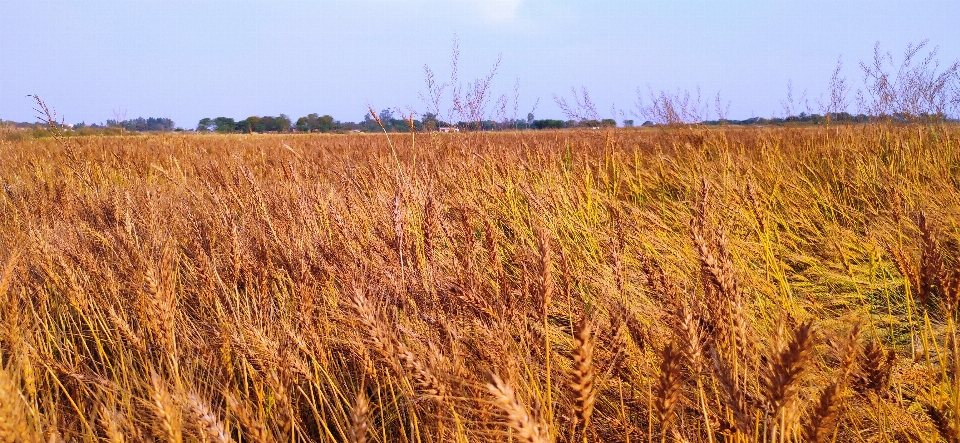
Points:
point(388, 120)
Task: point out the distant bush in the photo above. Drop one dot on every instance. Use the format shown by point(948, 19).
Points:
point(548, 124)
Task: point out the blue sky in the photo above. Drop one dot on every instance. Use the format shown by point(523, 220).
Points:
point(93, 60)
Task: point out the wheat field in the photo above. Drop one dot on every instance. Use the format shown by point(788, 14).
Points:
point(651, 285)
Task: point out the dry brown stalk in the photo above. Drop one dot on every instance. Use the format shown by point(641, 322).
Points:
point(720, 272)
point(931, 281)
point(520, 421)
point(490, 244)
point(375, 331)
point(27, 371)
point(207, 421)
point(909, 272)
point(584, 373)
point(359, 426)
point(659, 283)
point(756, 208)
point(6, 277)
point(723, 296)
point(546, 271)
point(399, 231)
point(225, 354)
point(566, 277)
point(429, 227)
point(236, 253)
point(546, 295)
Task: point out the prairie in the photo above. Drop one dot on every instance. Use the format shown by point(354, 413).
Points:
point(674, 284)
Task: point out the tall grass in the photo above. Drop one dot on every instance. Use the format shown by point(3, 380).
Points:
point(778, 284)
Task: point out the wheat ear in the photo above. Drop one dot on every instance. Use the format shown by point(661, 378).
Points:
point(823, 420)
point(668, 386)
point(582, 382)
point(207, 420)
point(167, 412)
point(358, 419)
point(519, 420)
point(781, 383)
point(13, 415)
point(111, 425)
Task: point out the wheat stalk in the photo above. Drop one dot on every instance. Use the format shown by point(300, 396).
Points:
point(424, 381)
point(110, 421)
point(826, 413)
point(781, 382)
point(254, 426)
point(207, 420)
point(583, 374)
point(667, 393)
point(875, 369)
point(13, 413)
point(359, 426)
point(528, 430)
point(166, 410)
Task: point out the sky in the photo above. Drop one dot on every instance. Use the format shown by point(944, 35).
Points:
point(94, 60)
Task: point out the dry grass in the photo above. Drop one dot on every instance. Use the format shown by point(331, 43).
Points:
point(690, 284)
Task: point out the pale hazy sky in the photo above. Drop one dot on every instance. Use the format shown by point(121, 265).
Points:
point(185, 60)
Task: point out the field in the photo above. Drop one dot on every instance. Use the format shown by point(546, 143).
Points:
point(648, 285)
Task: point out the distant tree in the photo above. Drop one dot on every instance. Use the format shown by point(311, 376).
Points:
point(304, 124)
point(369, 124)
point(243, 127)
point(224, 125)
point(253, 124)
point(205, 125)
point(316, 123)
point(386, 116)
point(283, 123)
point(147, 124)
point(547, 124)
point(608, 122)
point(267, 124)
point(628, 123)
point(152, 124)
point(326, 123)
point(430, 122)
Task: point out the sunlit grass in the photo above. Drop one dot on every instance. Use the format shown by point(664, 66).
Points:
point(641, 285)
